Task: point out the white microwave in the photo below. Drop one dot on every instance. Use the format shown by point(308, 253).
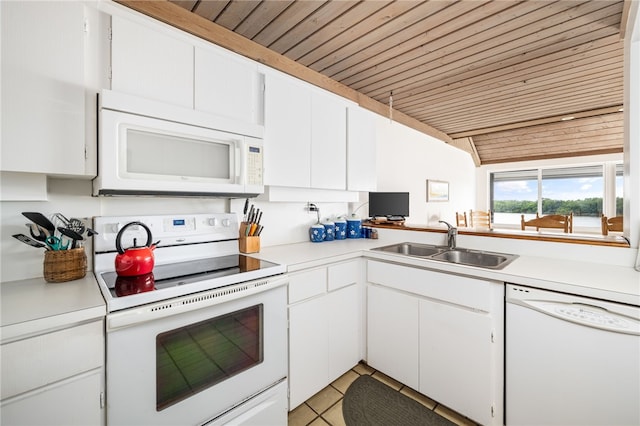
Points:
point(147, 148)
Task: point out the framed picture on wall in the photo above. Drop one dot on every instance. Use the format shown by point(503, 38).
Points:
point(437, 190)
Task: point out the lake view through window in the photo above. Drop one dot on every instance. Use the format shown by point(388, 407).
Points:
point(579, 190)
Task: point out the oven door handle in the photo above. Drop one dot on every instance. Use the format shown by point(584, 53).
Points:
point(155, 311)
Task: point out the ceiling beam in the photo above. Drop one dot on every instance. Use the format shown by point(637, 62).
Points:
point(626, 6)
point(198, 26)
point(529, 123)
point(466, 144)
point(535, 157)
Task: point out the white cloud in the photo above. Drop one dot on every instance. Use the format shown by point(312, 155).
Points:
point(519, 186)
point(586, 187)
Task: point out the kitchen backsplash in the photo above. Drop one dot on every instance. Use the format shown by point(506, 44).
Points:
point(284, 222)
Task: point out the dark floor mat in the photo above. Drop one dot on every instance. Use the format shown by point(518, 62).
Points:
point(369, 402)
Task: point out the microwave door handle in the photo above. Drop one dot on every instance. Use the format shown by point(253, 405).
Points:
point(239, 164)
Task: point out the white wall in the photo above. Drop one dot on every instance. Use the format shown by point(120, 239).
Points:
point(407, 158)
point(632, 126)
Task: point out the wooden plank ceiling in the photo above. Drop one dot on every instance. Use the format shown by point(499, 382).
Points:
point(495, 76)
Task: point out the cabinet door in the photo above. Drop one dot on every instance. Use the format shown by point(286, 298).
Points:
point(151, 64)
point(287, 132)
point(361, 150)
point(344, 330)
point(308, 354)
point(392, 334)
point(227, 86)
point(458, 362)
point(328, 142)
point(43, 109)
point(75, 401)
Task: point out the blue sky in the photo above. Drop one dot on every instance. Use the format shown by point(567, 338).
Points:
point(557, 189)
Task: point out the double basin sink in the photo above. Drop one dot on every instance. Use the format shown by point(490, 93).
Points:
point(479, 258)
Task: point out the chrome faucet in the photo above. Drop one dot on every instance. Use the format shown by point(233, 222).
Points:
point(452, 233)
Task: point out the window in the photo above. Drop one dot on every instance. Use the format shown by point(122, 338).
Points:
point(619, 193)
point(512, 194)
point(579, 190)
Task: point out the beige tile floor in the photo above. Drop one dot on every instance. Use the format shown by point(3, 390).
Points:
point(325, 407)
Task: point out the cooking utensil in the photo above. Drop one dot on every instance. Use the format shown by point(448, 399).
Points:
point(56, 243)
point(91, 232)
point(40, 219)
point(76, 225)
point(136, 260)
point(71, 234)
point(244, 211)
point(37, 232)
point(33, 243)
point(66, 222)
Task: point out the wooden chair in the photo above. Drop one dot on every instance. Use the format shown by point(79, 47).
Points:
point(611, 224)
point(480, 219)
point(461, 219)
point(557, 221)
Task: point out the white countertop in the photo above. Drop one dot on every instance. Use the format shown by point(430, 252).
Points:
point(600, 281)
point(34, 306)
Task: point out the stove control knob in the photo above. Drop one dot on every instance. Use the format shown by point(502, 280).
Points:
point(226, 222)
point(212, 221)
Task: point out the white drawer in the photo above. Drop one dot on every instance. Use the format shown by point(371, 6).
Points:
point(343, 274)
point(73, 402)
point(471, 292)
point(31, 363)
point(304, 285)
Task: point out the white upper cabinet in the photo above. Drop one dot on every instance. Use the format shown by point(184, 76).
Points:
point(160, 63)
point(328, 141)
point(43, 95)
point(151, 64)
point(361, 149)
point(287, 132)
point(227, 86)
point(305, 135)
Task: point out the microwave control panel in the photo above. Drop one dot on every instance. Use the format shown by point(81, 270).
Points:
point(254, 164)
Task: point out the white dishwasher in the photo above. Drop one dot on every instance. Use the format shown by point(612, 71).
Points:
point(570, 360)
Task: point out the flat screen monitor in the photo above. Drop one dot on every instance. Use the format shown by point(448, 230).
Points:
point(392, 205)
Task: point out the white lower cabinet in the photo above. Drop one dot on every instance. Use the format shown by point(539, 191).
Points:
point(440, 334)
point(458, 365)
point(325, 327)
point(392, 334)
point(56, 378)
point(71, 402)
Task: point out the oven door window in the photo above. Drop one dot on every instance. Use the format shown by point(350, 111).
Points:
point(192, 358)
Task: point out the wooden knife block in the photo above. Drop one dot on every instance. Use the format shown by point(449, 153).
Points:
point(248, 244)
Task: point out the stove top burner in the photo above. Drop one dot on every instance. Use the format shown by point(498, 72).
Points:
point(197, 253)
point(181, 273)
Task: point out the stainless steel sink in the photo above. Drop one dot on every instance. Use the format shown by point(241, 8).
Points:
point(412, 249)
point(479, 258)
